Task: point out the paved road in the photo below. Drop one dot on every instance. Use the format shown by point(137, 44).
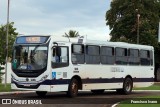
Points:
point(86, 99)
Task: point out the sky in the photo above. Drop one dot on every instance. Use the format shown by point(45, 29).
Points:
point(55, 17)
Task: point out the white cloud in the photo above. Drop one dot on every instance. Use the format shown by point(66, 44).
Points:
point(58, 16)
point(91, 33)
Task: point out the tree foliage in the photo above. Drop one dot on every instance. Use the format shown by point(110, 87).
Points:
point(11, 38)
point(71, 34)
point(122, 20)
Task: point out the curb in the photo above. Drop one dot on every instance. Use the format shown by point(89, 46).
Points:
point(115, 105)
point(15, 92)
point(146, 90)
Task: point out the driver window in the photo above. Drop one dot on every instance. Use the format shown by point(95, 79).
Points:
point(55, 56)
point(60, 56)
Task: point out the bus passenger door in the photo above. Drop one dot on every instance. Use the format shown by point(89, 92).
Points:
point(59, 61)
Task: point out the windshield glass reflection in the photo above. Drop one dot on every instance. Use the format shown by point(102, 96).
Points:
point(29, 57)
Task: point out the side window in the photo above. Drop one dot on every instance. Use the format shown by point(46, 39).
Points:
point(77, 54)
point(121, 56)
point(133, 58)
point(107, 55)
point(145, 57)
point(92, 54)
point(60, 57)
point(151, 57)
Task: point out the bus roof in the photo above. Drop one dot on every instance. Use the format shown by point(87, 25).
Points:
point(84, 40)
point(101, 43)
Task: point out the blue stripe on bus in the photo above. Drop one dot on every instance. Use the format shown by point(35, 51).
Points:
point(103, 80)
point(89, 81)
point(56, 82)
point(143, 79)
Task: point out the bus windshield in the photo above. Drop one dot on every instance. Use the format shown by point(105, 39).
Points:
point(29, 57)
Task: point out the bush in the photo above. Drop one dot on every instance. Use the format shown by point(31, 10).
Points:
point(1, 68)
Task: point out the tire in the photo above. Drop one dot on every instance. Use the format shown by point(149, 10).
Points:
point(127, 87)
point(41, 93)
point(73, 88)
point(158, 75)
point(97, 91)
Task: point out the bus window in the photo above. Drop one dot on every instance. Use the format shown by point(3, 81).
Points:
point(92, 54)
point(133, 58)
point(121, 56)
point(56, 54)
point(107, 55)
point(145, 57)
point(60, 57)
point(77, 54)
point(151, 57)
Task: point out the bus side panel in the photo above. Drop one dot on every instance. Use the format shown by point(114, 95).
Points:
point(102, 86)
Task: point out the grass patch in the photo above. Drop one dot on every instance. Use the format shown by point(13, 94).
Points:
point(152, 87)
point(144, 102)
point(5, 89)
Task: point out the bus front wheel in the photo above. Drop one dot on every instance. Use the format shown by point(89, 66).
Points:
point(73, 88)
point(41, 93)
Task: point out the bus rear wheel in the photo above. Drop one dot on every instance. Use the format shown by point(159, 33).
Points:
point(127, 87)
point(97, 91)
point(41, 93)
point(73, 88)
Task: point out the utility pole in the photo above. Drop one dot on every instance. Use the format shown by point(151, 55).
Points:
point(138, 16)
point(7, 30)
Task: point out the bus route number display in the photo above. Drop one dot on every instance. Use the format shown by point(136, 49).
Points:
point(31, 39)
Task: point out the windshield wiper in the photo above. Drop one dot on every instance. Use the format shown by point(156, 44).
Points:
point(35, 49)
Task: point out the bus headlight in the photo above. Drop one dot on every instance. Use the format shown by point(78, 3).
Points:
point(43, 78)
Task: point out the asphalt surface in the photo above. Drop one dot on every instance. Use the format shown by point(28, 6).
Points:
point(84, 99)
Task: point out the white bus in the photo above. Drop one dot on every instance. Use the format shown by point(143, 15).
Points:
point(52, 64)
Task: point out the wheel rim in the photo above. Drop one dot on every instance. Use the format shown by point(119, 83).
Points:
point(74, 88)
point(128, 86)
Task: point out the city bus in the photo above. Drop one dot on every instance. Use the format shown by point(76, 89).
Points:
point(44, 64)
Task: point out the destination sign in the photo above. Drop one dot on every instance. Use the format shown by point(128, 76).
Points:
point(31, 39)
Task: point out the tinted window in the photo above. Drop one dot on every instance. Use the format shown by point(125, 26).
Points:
point(145, 57)
point(77, 49)
point(121, 52)
point(77, 53)
point(107, 55)
point(109, 51)
point(92, 54)
point(92, 50)
point(133, 58)
point(133, 52)
point(121, 56)
point(151, 57)
point(144, 54)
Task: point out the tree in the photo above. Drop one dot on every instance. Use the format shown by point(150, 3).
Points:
point(122, 20)
point(1, 68)
point(71, 34)
point(11, 38)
